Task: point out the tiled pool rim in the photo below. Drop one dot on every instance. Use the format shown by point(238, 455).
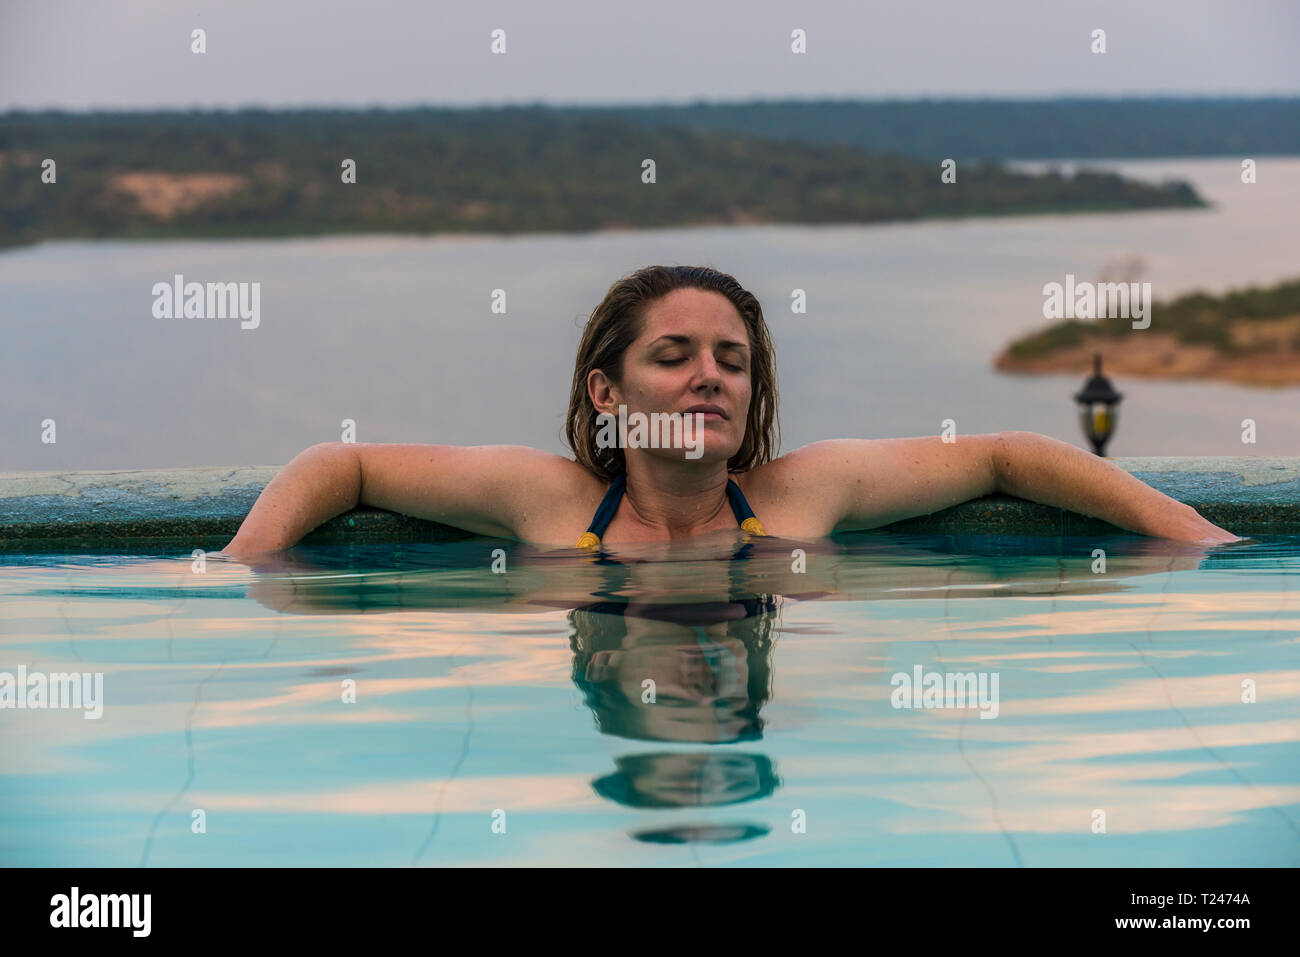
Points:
point(203, 507)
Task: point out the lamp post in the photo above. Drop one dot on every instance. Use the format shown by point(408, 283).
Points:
point(1097, 402)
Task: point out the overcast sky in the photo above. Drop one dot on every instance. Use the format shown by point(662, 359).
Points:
point(82, 54)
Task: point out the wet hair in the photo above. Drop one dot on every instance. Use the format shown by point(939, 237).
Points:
point(616, 323)
point(603, 627)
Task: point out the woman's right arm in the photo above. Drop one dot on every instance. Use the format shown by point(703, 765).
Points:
point(321, 482)
point(476, 488)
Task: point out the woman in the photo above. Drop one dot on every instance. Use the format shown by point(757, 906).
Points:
point(690, 340)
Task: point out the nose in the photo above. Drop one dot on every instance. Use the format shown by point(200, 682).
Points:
point(708, 376)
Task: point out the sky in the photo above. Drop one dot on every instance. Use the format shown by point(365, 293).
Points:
point(136, 54)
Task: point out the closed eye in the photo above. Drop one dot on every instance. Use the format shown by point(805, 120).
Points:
point(725, 365)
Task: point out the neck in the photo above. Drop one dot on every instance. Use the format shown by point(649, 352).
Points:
point(678, 499)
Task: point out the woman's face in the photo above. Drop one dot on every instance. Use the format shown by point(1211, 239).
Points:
point(693, 350)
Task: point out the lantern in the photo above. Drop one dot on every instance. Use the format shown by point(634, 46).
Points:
point(1097, 408)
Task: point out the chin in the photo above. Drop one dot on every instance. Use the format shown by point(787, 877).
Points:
point(710, 455)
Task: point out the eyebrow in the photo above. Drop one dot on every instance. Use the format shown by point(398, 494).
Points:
point(680, 339)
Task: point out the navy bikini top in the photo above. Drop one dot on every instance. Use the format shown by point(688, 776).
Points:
point(590, 539)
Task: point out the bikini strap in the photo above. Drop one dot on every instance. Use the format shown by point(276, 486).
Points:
point(590, 539)
point(604, 513)
point(745, 516)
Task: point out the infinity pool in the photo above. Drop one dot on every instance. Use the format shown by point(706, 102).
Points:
point(485, 703)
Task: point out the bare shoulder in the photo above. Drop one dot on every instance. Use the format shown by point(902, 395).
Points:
point(552, 498)
point(547, 494)
point(843, 484)
point(791, 495)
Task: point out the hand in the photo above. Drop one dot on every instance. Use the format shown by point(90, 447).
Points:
point(233, 554)
point(1188, 525)
point(252, 557)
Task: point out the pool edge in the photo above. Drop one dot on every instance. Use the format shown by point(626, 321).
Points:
point(200, 506)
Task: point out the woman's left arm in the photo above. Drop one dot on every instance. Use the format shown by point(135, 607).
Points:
point(1043, 469)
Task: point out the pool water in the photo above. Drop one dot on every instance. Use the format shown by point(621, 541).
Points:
point(1128, 701)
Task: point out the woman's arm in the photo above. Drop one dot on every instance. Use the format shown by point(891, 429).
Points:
point(1043, 469)
point(321, 482)
point(483, 489)
point(849, 484)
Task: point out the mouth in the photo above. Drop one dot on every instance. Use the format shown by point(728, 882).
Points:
point(710, 411)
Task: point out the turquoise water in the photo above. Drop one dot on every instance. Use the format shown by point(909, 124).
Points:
point(504, 717)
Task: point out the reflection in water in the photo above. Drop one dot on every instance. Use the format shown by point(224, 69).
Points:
point(593, 704)
point(702, 834)
point(675, 672)
point(688, 779)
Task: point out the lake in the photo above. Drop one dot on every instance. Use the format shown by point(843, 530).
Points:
point(397, 333)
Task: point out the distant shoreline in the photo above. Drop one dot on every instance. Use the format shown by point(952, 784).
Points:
point(1162, 356)
point(291, 232)
point(427, 173)
point(1245, 337)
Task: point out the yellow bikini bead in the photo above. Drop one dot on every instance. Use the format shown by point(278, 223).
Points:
point(588, 540)
point(753, 526)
